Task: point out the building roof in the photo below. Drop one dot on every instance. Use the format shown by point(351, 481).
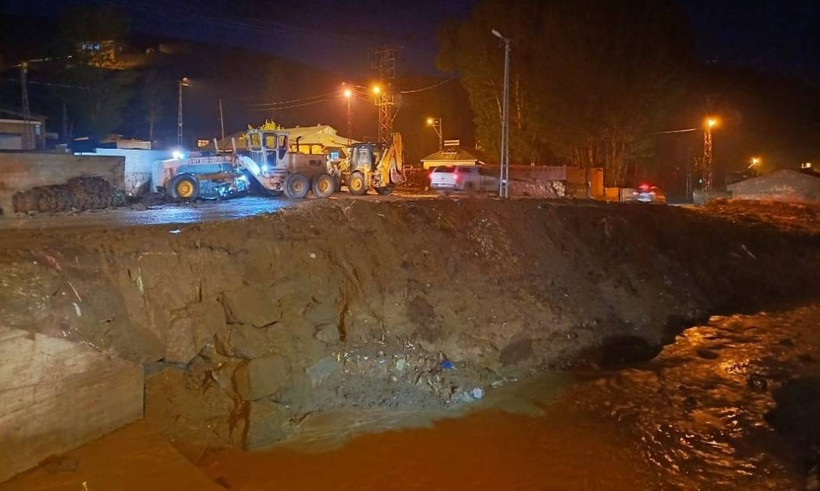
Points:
point(773, 175)
point(11, 112)
point(456, 153)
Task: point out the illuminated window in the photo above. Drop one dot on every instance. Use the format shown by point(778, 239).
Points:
point(256, 140)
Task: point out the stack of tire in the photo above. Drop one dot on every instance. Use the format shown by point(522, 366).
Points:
point(80, 193)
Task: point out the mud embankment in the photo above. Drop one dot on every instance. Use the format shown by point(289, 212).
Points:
point(248, 327)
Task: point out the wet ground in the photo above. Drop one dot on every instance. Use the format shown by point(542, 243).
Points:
point(170, 213)
point(731, 404)
point(155, 215)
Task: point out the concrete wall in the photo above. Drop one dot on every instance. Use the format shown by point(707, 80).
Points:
point(56, 395)
point(20, 171)
point(782, 185)
point(138, 165)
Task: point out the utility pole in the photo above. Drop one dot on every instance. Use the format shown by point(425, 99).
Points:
point(385, 60)
point(708, 170)
point(221, 119)
point(503, 185)
point(435, 123)
point(349, 95)
point(24, 97)
point(183, 82)
point(65, 123)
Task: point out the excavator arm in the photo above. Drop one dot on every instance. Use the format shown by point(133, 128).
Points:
point(390, 166)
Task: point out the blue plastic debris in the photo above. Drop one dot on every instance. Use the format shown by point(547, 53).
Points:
point(446, 364)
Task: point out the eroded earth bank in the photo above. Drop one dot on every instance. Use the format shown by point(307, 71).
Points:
point(247, 328)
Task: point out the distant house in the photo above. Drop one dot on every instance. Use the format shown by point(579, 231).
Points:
point(321, 139)
point(453, 155)
point(17, 133)
point(781, 185)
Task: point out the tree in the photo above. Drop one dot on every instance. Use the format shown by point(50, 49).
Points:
point(155, 93)
point(99, 97)
point(591, 79)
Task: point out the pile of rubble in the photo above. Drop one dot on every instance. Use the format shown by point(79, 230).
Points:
point(80, 193)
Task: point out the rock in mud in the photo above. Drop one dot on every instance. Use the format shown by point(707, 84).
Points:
point(517, 352)
point(262, 377)
point(242, 341)
point(321, 370)
point(328, 333)
point(250, 306)
point(190, 332)
point(267, 424)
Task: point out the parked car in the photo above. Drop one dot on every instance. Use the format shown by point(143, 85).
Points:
point(454, 178)
point(647, 193)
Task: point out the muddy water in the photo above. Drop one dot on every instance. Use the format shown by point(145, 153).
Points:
point(734, 404)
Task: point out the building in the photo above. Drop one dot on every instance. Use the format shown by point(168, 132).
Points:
point(17, 133)
point(781, 185)
point(453, 155)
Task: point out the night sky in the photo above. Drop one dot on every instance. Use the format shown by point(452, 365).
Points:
point(772, 35)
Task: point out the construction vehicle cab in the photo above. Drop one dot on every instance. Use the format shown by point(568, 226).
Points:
point(270, 163)
point(370, 166)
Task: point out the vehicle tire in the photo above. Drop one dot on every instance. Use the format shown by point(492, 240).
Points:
point(324, 185)
point(385, 191)
point(357, 184)
point(184, 187)
point(296, 186)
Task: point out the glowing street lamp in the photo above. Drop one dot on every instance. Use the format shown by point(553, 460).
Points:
point(349, 95)
point(377, 90)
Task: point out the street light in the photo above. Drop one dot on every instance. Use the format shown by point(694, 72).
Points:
point(377, 90)
point(503, 185)
point(754, 162)
point(183, 82)
point(435, 123)
point(349, 95)
point(709, 124)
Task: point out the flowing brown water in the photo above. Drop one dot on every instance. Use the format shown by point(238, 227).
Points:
point(733, 404)
point(702, 414)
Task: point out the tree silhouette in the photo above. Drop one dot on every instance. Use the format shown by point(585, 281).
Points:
point(591, 80)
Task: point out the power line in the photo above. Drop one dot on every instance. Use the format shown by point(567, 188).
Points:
point(301, 99)
point(289, 107)
point(431, 87)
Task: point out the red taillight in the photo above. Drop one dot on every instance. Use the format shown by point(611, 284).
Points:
point(644, 187)
point(456, 177)
point(430, 176)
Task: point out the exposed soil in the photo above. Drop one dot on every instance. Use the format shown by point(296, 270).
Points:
point(795, 216)
point(248, 327)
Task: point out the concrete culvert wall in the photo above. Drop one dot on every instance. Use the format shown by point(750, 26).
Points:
point(247, 327)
